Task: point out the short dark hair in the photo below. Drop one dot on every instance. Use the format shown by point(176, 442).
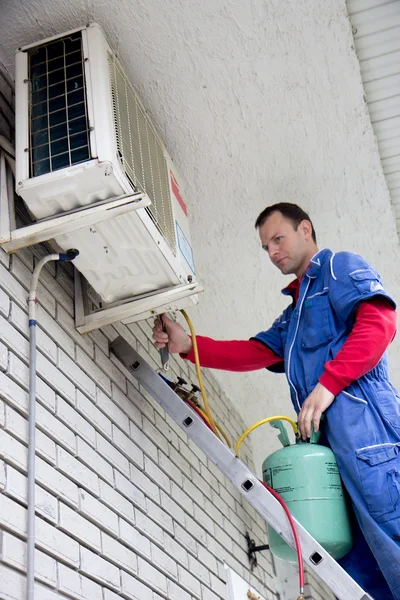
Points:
point(290, 211)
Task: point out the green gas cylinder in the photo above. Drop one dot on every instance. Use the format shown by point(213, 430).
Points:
point(306, 476)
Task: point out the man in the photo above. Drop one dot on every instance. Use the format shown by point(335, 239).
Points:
point(331, 342)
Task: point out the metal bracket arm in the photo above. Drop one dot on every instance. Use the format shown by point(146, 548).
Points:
point(51, 227)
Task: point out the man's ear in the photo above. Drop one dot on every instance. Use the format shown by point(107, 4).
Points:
point(306, 228)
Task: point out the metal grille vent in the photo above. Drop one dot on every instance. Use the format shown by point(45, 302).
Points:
point(140, 151)
point(58, 115)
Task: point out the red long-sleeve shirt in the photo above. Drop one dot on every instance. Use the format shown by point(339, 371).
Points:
point(374, 328)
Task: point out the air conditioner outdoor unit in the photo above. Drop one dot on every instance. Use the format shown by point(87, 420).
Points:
point(83, 138)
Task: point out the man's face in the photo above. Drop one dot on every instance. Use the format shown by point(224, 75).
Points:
point(288, 248)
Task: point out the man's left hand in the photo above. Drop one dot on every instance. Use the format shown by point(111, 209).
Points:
point(312, 409)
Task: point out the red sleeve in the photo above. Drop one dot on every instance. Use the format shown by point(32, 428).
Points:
point(233, 355)
point(374, 328)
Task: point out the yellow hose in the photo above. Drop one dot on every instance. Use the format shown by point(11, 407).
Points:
point(268, 420)
point(227, 440)
point(214, 427)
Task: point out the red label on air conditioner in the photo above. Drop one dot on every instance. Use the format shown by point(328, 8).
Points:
point(176, 192)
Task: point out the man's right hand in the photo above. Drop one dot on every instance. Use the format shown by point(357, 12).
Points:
point(175, 336)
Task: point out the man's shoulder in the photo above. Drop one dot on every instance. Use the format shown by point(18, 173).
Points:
point(348, 263)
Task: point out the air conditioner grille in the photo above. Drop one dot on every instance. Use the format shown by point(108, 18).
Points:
point(140, 151)
point(59, 131)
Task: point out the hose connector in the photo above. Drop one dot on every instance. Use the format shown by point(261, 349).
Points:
point(68, 255)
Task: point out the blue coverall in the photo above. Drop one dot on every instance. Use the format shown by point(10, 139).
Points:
point(363, 422)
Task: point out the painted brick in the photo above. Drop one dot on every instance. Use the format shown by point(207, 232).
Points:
point(203, 519)
point(117, 502)
point(189, 582)
point(67, 323)
point(167, 431)
point(199, 570)
point(182, 498)
point(91, 412)
point(109, 595)
point(224, 539)
point(55, 378)
point(4, 304)
point(13, 451)
point(2, 413)
point(97, 512)
point(144, 442)
point(170, 468)
point(125, 444)
point(19, 318)
point(76, 374)
point(126, 404)
point(193, 491)
point(80, 528)
point(180, 462)
point(56, 482)
point(18, 426)
point(99, 569)
point(149, 528)
point(134, 539)
point(156, 436)
point(66, 413)
point(189, 455)
point(196, 530)
point(55, 542)
point(175, 592)
point(50, 283)
point(207, 559)
point(118, 460)
point(175, 550)
point(218, 586)
point(55, 429)
point(13, 288)
point(112, 411)
point(144, 484)
point(140, 402)
point(13, 586)
point(53, 329)
point(158, 476)
point(76, 585)
point(14, 554)
point(198, 452)
point(107, 366)
point(160, 516)
point(92, 459)
point(3, 357)
point(118, 553)
point(2, 474)
point(129, 490)
point(100, 340)
point(185, 539)
point(207, 594)
point(20, 373)
point(164, 562)
point(132, 588)
point(172, 508)
point(16, 485)
point(13, 339)
point(152, 576)
point(94, 372)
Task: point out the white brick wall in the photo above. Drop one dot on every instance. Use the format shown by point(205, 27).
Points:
point(126, 505)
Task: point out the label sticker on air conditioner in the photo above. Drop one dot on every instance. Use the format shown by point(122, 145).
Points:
point(184, 246)
point(176, 192)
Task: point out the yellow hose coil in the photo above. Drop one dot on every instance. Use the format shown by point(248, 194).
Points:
point(259, 423)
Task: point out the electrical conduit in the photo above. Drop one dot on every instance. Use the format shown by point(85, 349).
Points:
point(32, 301)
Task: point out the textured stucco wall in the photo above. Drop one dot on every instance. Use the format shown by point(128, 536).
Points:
point(258, 102)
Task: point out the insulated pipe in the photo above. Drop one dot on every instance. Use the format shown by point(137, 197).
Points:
point(32, 301)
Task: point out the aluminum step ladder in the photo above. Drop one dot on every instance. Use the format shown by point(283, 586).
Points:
point(316, 558)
